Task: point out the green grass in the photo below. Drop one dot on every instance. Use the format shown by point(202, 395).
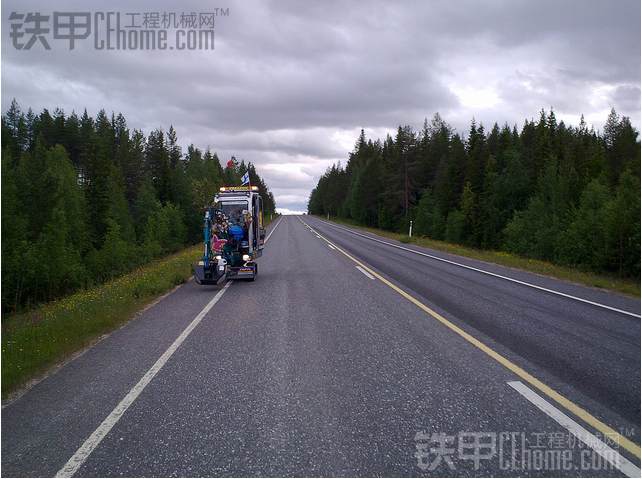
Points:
point(628, 286)
point(267, 220)
point(34, 341)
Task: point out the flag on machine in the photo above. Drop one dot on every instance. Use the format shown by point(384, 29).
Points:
point(246, 178)
point(229, 164)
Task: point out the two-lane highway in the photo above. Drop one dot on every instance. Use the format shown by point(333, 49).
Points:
point(583, 336)
point(334, 362)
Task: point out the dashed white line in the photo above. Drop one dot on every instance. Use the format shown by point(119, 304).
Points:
point(331, 246)
point(365, 272)
point(277, 224)
point(609, 454)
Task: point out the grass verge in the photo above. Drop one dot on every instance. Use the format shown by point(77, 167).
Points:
point(35, 341)
point(628, 286)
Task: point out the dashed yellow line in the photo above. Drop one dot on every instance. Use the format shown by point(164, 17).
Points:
point(533, 381)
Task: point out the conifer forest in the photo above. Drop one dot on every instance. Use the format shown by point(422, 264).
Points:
point(86, 199)
point(554, 192)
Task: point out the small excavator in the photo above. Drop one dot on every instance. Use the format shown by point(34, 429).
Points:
point(234, 236)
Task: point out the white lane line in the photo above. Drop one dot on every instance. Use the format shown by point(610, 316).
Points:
point(609, 454)
point(365, 272)
point(77, 460)
point(493, 274)
point(277, 224)
point(331, 246)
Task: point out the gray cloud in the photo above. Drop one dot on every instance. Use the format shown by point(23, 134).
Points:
point(290, 84)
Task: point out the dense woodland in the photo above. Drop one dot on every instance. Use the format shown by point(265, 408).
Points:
point(86, 199)
point(558, 193)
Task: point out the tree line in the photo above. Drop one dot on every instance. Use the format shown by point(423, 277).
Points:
point(553, 192)
point(86, 199)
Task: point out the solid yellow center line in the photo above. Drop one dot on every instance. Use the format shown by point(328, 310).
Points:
point(554, 395)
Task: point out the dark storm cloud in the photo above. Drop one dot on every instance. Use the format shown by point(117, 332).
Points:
point(290, 84)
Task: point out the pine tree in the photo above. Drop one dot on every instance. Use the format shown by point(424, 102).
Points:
point(158, 167)
point(14, 131)
point(505, 192)
point(16, 244)
point(173, 150)
point(477, 154)
point(585, 242)
point(34, 189)
point(358, 157)
point(72, 140)
point(401, 190)
point(118, 206)
point(146, 205)
point(132, 164)
point(61, 176)
point(365, 194)
point(269, 206)
point(623, 227)
point(94, 171)
point(450, 177)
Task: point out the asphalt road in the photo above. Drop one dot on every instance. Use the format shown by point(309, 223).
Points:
point(348, 356)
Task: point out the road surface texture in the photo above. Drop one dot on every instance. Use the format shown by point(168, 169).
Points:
point(350, 355)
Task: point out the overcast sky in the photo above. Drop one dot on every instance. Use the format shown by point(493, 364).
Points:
point(289, 84)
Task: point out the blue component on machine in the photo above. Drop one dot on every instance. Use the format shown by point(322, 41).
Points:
point(236, 232)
